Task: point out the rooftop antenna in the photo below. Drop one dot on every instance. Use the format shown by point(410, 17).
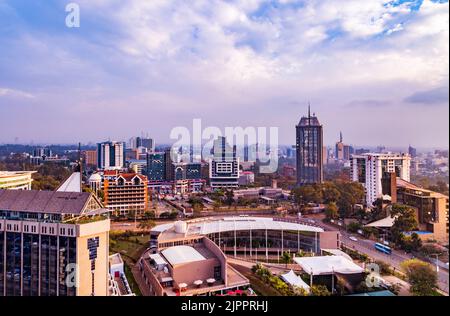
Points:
point(309, 113)
point(80, 167)
point(340, 137)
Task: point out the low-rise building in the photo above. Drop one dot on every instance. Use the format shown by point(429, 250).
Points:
point(195, 267)
point(432, 209)
point(16, 180)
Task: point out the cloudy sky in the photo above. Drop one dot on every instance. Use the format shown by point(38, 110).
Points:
point(375, 69)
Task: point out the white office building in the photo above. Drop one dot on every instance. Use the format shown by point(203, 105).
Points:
point(368, 169)
point(111, 155)
point(224, 167)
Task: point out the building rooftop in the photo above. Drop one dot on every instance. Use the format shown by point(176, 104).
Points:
point(325, 265)
point(182, 254)
point(411, 186)
point(43, 201)
point(207, 226)
point(72, 184)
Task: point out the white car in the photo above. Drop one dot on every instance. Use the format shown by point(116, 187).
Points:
point(353, 238)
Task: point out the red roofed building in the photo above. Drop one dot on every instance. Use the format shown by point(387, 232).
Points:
point(125, 192)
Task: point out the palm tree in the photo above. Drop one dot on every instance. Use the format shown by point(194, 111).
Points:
point(286, 258)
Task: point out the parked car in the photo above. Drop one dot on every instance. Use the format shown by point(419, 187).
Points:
point(353, 238)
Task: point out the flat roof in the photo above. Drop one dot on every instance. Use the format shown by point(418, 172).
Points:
point(158, 259)
point(325, 265)
point(384, 222)
point(181, 254)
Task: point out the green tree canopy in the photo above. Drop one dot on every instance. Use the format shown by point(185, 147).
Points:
point(421, 276)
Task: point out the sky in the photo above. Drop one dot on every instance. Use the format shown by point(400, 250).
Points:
point(376, 70)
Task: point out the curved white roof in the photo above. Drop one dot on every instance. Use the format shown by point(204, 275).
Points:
point(181, 254)
point(224, 224)
point(244, 224)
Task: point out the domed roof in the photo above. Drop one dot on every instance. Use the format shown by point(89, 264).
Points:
point(95, 178)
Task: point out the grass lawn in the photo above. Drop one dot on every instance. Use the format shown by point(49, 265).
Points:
point(260, 288)
point(131, 249)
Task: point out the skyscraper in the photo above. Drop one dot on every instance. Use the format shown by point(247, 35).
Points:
point(370, 169)
point(224, 167)
point(156, 166)
point(309, 150)
point(111, 155)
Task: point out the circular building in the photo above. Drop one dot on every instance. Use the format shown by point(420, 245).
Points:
point(249, 235)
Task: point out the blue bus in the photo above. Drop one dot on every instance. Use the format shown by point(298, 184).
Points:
point(383, 248)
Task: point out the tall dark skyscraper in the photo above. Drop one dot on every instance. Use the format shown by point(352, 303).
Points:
point(309, 150)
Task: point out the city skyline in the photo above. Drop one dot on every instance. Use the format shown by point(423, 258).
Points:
point(376, 70)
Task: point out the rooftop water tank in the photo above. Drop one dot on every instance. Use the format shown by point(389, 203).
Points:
point(180, 227)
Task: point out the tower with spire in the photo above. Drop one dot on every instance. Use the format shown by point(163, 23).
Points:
point(309, 145)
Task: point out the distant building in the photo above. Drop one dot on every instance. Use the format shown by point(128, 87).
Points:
point(138, 166)
point(111, 155)
point(156, 166)
point(224, 166)
point(146, 142)
point(412, 152)
point(343, 151)
point(42, 155)
point(246, 178)
point(42, 152)
point(46, 237)
point(125, 192)
point(369, 170)
point(16, 180)
point(309, 150)
point(90, 158)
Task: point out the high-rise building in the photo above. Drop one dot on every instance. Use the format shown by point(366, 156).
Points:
point(369, 170)
point(412, 152)
point(156, 166)
point(90, 158)
point(343, 151)
point(42, 152)
point(53, 244)
point(224, 166)
point(125, 192)
point(111, 155)
point(309, 150)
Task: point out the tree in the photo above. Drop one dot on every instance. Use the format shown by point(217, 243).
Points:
point(229, 197)
point(330, 193)
point(405, 221)
point(353, 227)
point(320, 290)
point(421, 276)
point(286, 258)
point(351, 193)
point(332, 211)
point(148, 224)
point(307, 194)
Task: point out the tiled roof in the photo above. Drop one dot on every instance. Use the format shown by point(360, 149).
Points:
point(43, 201)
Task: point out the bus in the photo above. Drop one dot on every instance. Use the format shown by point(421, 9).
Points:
point(383, 248)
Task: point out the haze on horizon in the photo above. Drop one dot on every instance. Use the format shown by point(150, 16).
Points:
point(376, 70)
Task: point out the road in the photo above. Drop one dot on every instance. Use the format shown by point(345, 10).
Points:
point(395, 259)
